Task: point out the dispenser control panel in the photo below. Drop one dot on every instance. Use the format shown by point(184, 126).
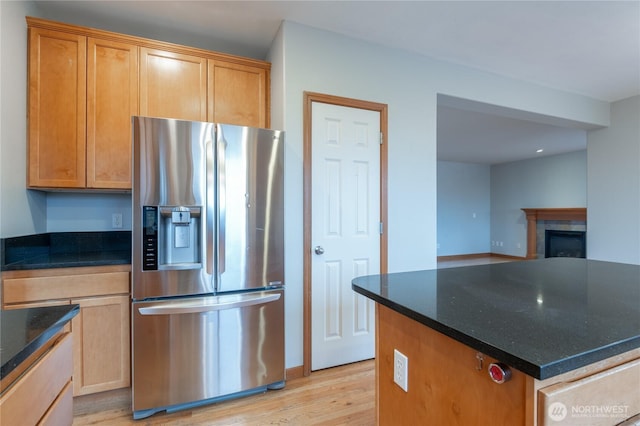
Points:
point(150, 238)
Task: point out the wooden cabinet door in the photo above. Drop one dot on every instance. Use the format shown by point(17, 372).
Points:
point(112, 98)
point(172, 85)
point(101, 344)
point(57, 109)
point(237, 94)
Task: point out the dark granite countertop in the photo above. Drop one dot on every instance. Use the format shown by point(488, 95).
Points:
point(543, 317)
point(24, 331)
point(66, 249)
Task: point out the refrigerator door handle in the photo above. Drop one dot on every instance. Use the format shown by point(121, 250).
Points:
point(207, 305)
point(222, 202)
point(210, 200)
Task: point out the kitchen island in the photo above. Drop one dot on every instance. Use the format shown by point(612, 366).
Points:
point(565, 331)
point(36, 365)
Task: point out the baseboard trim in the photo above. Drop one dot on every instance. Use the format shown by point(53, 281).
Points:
point(477, 256)
point(508, 256)
point(294, 372)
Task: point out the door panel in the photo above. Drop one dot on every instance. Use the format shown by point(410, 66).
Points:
point(173, 85)
point(237, 94)
point(57, 109)
point(112, 98)
point(345, 231)
point(101, 344)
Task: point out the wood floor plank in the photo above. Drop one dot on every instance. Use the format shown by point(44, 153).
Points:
point(342, 395)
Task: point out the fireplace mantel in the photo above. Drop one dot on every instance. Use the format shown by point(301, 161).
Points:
point(534, 215)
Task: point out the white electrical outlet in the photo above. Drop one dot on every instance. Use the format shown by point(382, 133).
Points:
point(400, 370)
point(116, 220)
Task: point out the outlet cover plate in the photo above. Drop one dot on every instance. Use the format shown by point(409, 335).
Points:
point(400, 369)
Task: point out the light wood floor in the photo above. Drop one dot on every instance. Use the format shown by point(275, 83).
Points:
point(480, 260)
point(335, 396)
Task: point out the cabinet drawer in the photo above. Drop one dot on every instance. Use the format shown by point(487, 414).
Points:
point(33, 289)
point(61, 411)
point(605, 398)
point(29, 399)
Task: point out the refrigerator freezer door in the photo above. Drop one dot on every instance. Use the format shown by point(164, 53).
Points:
point(193, 350)
point(173, 208)
point(251, 201)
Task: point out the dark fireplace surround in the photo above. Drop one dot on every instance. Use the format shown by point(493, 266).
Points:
point(534, 215)
point(560, 243)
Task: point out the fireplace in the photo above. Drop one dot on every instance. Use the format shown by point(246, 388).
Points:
point(559, 243)
point(567, 216)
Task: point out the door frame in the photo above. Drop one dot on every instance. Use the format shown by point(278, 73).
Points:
point(309, 99)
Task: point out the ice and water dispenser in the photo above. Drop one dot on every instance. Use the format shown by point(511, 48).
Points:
point(171, 237)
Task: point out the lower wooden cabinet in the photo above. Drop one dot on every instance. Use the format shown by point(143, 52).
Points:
point(43, 394)
point(101, 344)
point(101, 331)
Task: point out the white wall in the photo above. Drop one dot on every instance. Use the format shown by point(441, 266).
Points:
point(309, 59)
point(23, 212)
point(613, 212)
point(464, 208)
point(554, 181)
point(87, 212)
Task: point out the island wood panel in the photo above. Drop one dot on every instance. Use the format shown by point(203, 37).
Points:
point(112, 98)
point(173, 85)
point(27, 401)
point(238, 94)
point(444, 385)
point(57, 109)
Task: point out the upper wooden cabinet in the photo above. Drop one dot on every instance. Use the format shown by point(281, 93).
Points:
point(237, 94)
point(112, 98)
point(82, 94)
point(85, 84)
point(173, 85)
point(57, 113)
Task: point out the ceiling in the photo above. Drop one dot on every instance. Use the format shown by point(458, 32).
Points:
point(590, 48)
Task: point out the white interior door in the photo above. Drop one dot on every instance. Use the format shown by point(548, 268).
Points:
point(345, 231)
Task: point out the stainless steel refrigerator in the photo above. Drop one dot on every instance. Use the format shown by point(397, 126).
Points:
point(208, 263)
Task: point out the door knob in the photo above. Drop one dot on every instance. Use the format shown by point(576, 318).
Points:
point(319, 250)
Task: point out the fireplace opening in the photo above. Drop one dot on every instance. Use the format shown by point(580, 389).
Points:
point(565, 243)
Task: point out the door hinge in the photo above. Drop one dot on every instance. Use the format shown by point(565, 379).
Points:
point(381, 138)
point(381, 228)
